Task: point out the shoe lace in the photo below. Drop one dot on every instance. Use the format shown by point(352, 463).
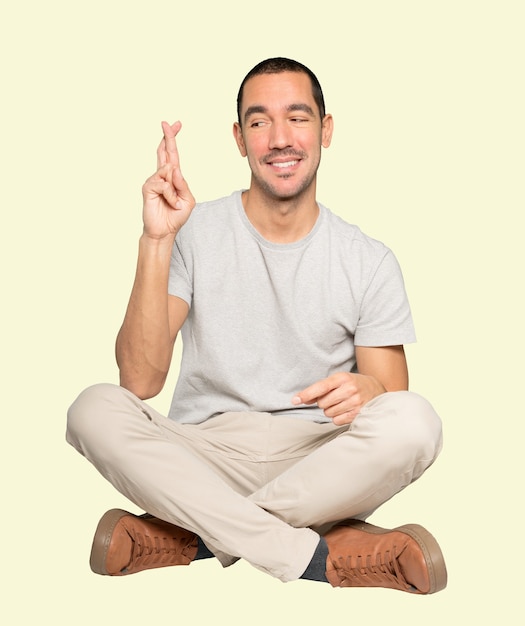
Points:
point(381, 570)
point(159, 549)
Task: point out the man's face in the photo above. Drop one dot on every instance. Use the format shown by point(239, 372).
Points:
point(282, 134)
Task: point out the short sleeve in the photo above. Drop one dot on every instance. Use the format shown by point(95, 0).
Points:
point(385, 318)
point(180, 283)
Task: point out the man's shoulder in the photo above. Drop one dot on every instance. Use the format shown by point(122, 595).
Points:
point(211, 215)
point(207, 209)
point(351, 236)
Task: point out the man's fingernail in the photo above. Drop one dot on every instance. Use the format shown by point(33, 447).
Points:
point(296, 400)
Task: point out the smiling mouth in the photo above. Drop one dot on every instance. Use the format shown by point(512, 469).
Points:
point(284, 159)
point(285, 164)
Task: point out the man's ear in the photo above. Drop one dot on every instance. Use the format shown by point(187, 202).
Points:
point(239, 139)
point(327, 130)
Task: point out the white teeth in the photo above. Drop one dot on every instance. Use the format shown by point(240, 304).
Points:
point(287, 164)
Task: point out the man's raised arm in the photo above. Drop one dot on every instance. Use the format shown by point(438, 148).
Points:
point(153, 318)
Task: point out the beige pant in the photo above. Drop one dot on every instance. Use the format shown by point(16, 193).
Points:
point(253, 485)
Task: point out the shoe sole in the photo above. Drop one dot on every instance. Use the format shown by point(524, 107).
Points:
point(102, 539)
point(437, 570)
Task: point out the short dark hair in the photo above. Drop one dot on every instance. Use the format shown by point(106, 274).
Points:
point(277, 65)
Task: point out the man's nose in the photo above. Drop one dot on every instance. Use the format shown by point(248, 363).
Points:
point(280, 135)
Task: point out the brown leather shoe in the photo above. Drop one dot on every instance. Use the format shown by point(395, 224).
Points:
point(126, 544)
point(407, 558)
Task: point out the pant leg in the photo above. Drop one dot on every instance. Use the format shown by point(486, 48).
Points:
point(394, 439)
point(161, 467)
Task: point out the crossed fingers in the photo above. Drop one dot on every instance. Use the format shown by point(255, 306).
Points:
point(167, 152)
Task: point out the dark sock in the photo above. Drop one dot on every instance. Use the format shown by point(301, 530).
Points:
point(316, 570)
point(202, 551)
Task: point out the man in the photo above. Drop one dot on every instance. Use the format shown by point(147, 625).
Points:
point(291, 421)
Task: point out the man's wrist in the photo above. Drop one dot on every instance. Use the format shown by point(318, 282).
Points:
point(156, 249)
point(152, 241)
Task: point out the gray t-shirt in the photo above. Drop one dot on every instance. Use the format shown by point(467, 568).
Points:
point(266, 320)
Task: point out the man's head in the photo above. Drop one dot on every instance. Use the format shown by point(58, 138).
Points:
point(277, 65)
point(281, 129)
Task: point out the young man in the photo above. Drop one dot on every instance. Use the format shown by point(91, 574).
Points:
point(291, 421)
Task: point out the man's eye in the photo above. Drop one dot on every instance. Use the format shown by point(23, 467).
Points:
point(257, 124)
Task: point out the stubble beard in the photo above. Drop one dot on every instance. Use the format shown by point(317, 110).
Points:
point(273, 193)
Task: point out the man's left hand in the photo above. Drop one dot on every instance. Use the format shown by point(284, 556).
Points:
point(341, 395)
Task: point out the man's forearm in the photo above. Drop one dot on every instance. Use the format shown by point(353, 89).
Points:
point(145, 342)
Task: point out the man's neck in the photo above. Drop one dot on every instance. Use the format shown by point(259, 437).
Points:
point(281, 221)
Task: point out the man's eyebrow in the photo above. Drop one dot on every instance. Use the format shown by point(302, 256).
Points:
point(256, 108)
point(298, 106)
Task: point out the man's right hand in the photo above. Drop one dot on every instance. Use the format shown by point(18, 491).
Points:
point(153, 318)
point(168, 200)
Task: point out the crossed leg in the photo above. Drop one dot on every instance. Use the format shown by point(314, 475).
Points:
point(254, 486)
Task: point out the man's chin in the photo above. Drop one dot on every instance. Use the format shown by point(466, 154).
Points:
point(283, 192)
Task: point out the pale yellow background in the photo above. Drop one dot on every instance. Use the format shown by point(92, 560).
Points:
point(428, 156)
